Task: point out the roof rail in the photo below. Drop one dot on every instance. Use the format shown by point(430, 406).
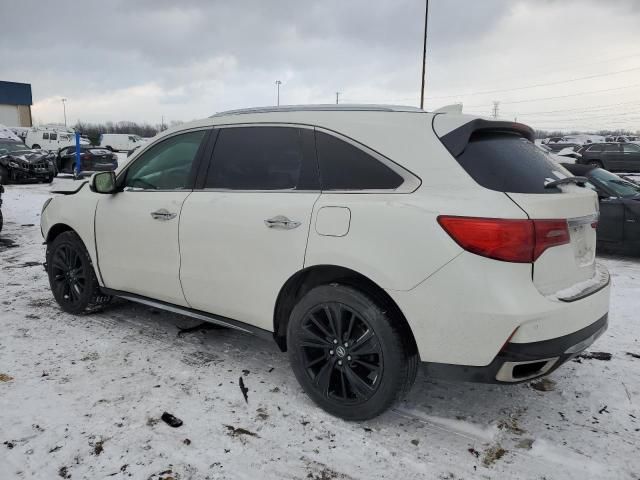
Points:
point(322, 108)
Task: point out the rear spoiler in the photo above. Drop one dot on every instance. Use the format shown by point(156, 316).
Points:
point(457, 140)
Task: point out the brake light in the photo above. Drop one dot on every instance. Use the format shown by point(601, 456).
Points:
point(519, 241)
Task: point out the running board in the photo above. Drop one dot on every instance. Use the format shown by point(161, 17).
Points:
point(189, 312)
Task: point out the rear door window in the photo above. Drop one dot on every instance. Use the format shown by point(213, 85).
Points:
point(595, 148)
point(263, 158)
point(346, 167)
point(507, 162)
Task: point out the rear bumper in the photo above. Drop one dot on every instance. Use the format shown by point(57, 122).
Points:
point(520, 362)
point(466, 312)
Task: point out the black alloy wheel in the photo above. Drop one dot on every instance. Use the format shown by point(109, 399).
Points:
point(71, 276)
point(352, 354)
point(340, 353)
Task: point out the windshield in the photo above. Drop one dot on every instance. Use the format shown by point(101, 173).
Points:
point(622, 188)
point(10, 147)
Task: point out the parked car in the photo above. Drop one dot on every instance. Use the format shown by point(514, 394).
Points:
point(120, 141)
point(619, 223)
point(92, 159)
point(615, 157)
point(362, 239)
point(51, 138)
point(21, 164)
point(566, 155)
point(556, 144)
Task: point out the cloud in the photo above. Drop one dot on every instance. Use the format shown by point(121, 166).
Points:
point(138, 60)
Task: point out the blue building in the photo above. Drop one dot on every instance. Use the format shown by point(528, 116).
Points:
point(15, 104)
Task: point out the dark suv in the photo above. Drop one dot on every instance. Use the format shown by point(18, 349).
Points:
point(615, 157)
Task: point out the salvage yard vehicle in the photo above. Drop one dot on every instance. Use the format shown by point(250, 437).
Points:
point(51, 138)
point(619, 223)
point(615, 157)
point(366, 240)
point(92, 159)
point(120, 141)
point(21, 164)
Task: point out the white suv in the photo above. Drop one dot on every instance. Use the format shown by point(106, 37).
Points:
point(363, 239)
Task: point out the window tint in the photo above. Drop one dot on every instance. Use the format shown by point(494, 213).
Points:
point(595, 148)
point(167, 165)
point(508, 163)
point(630, 148)
point(263, 158)
point(346, 167)
point(45, 136)
point(611, 148)
point(53, 136)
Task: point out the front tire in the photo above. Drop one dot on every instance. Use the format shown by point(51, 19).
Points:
point(71, 275)
point(349, 355)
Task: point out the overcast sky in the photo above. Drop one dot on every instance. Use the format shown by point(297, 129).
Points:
point(142, 59)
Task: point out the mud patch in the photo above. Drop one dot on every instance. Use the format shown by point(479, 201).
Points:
point(6, 243)
point(492, 455)
point(544, 385)
point(5, 378)
point(239, 431)
point(199, 359)
point(604, 356)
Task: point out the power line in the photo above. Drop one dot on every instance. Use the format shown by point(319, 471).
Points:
point(560, 96)
point(485, 92)
point(595, 108)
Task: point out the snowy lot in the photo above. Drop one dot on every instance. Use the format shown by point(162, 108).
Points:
point(81, 397)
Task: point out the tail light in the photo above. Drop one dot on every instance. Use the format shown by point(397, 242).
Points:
point(520, 241)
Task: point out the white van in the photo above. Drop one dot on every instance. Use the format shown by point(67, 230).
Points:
point(120, 141)
point(51, 138)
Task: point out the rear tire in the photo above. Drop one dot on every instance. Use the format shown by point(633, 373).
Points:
point(71, 275)
point(35, 146)
point(349, 356)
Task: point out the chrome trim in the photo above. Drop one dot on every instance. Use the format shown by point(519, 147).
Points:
point(505, 374)
point(280, 222)
point(591, 289)
point(163, 214)
point(181, 311)
point(410, 184)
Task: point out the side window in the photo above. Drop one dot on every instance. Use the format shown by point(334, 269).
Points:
point(611, 148)
point(167, 165)
point(346, 167)
point(45, 136)
point(595, 148)
point(53, 136)
point(263, 158)
point(630, 148)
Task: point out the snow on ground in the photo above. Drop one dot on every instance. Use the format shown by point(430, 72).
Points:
point(81, 397)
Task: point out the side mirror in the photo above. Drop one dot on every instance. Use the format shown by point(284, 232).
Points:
point(104, 182)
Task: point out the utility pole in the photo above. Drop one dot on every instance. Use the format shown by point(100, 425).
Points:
point(337, 97)
point(278, 83)
point(424, 51)
point(64, 109)
point(496, 109)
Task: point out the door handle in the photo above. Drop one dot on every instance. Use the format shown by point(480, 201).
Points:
point(163, 214)
point(281, 222)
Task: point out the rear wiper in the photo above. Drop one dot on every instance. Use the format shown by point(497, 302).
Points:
point(564, 181)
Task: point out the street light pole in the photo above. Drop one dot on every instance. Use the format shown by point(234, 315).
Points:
point(64, 109)
point(424, 51)
point(278, 83)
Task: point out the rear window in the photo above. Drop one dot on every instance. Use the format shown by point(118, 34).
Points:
point(507, 162)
